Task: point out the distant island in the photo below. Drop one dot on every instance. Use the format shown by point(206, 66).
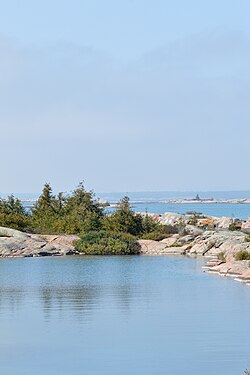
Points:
point(188, 201)
point(209, 200)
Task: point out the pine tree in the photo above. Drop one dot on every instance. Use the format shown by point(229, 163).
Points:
point(44, 213)
point(82, 212)
point(149, 224)
point(124, 219)
point(13, 214)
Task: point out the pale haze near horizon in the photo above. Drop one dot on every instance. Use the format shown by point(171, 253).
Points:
point(127, 96)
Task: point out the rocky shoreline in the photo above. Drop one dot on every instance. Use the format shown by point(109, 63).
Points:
point(14, 243)
point(211, 238)
point(208, 244)
point(219, 246)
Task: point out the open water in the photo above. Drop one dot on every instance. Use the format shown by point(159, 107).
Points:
point(121, 316)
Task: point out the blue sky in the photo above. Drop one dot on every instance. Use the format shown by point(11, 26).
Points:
point(126, 95)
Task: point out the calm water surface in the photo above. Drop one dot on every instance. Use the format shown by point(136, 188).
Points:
point(152, 202)
point(121, 316)
point(236, 210)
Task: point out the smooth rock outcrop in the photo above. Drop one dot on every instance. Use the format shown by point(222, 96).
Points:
point(215, 242)
point(149, 247)
point(17, 244)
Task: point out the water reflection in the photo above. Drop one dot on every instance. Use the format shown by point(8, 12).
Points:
point(136, 315)
point(11, 299)
point(80, 300)
point(78, 286)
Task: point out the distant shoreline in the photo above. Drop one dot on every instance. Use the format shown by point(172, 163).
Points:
point(188, 201)
point(113, 204)
point(224, 201)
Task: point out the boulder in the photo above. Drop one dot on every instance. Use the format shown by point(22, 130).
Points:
point(193, 230)
point(224, 222)
point(246, 226)
point(170, 218)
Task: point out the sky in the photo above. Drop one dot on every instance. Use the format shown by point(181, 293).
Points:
point(128, 95)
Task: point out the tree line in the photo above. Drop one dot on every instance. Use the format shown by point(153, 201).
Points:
point(79, 213)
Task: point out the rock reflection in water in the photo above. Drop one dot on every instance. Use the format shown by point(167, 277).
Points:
point(80, 300)
point(120, 315)
point(11, 299)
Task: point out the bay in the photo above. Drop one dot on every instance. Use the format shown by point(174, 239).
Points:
point(121, 315)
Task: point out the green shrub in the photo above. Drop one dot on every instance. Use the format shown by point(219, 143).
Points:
point(154, 236)
point(176, 245)
point(161, 231)
point(170, 229)
point(233, 227)
point(221, 256)
point(104, 243)
point(247, 239)
point(243, 255)
point(194, 217)
point(193, 221)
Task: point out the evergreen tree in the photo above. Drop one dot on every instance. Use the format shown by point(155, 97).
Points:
point(149, 224)
point(124, 219)
point(13, 214)
point(44, 213)
point(73, 214)
point(82, 212)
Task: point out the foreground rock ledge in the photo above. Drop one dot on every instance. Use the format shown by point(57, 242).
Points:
point(17, 244)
